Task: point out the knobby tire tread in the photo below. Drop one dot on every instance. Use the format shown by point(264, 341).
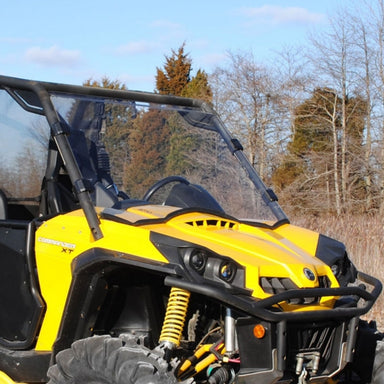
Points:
point(108, 360)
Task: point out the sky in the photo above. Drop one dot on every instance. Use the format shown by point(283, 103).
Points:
point(70, 41)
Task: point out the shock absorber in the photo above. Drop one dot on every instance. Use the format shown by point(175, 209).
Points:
point(230, 336)
point(174, 318)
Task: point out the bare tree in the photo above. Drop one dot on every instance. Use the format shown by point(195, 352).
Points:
point(334, 58)
point(295, 82)
point(374, 18)
point(364, 52)
point(247, 98)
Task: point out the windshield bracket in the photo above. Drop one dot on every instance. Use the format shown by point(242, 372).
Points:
point(236, 146)
point(83, 185)
point(269, 195)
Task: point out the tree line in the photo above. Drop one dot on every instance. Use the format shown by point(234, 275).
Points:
point(312, 122)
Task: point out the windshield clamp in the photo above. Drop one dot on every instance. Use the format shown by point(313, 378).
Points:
point(59, 129)
point(236, 145)
point(83, 185)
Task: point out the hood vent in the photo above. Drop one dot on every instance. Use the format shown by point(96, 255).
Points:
point(216, 223)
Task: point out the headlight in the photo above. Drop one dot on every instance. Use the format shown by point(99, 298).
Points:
point(198, 260)
point(212, 266)
point(228, 271)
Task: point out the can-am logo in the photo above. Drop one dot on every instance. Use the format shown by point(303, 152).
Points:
point(309, 274)
point(65, 247)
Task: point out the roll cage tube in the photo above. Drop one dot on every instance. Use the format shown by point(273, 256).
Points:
point(59, 134)
point(82, 189)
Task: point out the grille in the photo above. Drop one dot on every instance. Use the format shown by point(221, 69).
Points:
point(324, 282)
point(274, 285)
point(223, 224)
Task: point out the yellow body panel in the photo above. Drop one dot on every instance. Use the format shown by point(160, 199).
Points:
point(262, 251)
point(297, 235)
point(63, 238)
point(5, 379)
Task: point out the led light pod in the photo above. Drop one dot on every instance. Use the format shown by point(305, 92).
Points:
point(198, 260)
point(228, 271)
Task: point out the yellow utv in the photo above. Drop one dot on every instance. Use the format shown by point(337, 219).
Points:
point(138, 245)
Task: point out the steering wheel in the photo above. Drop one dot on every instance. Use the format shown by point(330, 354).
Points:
point(159, 184)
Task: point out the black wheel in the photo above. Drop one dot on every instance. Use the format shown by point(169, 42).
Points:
point(155, 187)
point(368, 361)
point(107, 360)
point(378, 365)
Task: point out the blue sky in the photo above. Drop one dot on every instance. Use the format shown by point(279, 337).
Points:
point(70, 41)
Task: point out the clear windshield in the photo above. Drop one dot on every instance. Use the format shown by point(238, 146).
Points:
point(138, 144)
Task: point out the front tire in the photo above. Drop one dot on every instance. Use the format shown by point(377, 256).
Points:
point(108, 360)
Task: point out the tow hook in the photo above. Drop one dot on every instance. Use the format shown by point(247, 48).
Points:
point(302, 379)
point(306, 362)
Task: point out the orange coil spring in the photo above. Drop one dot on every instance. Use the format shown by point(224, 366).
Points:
point(175, 316)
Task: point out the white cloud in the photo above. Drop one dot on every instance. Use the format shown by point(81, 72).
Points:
point(53, 56)
point(134, 47)
point(282, 15)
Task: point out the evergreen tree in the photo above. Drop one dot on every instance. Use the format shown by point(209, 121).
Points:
point(313, 120)
point(149, 145)
point(198, 87)
point(175, 76)
point(105, 82)
point(312, 165)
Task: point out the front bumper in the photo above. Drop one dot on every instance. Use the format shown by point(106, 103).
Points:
point(317, 343)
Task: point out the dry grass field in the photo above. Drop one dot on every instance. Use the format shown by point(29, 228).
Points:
point(363, 237)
